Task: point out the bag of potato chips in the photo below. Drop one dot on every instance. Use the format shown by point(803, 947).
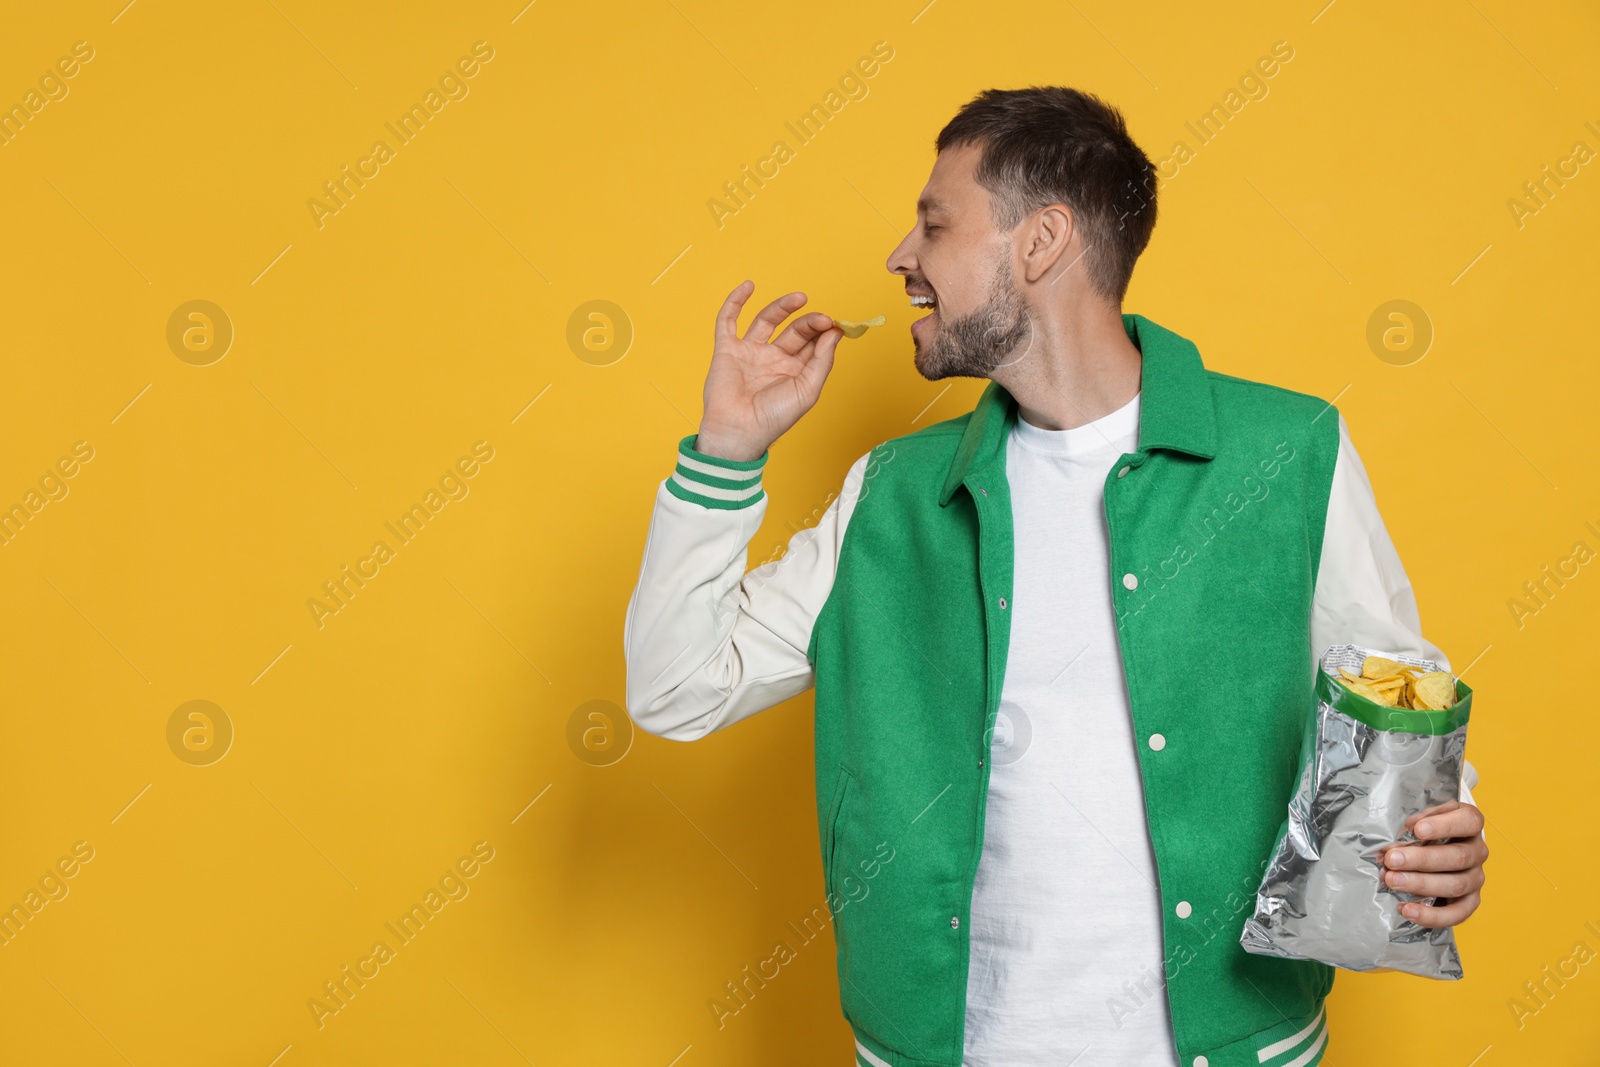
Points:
point(1389, 741)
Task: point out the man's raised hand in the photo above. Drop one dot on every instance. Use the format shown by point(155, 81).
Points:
point(757, 387)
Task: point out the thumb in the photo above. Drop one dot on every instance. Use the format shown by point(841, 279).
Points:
point(816, 370)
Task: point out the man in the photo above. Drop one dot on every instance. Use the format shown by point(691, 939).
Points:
point(1062, 645)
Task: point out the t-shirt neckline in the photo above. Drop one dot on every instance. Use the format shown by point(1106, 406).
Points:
point(1117, 430)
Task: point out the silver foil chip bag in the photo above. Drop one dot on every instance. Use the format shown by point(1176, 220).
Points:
point(1365, 768)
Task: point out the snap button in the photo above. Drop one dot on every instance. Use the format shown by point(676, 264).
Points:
point(955, 922)
point(1157, 742)
point(1123, 473)
point(1183, 909)
point(1002, 603)
point(1129, 581)
point(1201, 1061)
point(982, 490)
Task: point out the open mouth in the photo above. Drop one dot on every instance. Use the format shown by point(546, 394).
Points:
point(924, 302)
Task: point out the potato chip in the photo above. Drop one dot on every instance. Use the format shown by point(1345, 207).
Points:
point(1361, 689)
point(1435, 691)
point(1378, 667)
point(856, 329)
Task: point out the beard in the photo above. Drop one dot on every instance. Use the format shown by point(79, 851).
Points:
point(974, 344)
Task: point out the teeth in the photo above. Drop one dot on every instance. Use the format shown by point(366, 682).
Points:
point(922, 302)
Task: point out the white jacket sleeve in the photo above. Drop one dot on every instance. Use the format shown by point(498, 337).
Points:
point(1363, 596)
point(707, 644)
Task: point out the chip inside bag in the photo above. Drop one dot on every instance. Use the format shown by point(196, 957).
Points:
point(1389, 741)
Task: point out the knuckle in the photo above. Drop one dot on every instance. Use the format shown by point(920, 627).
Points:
point(1433, 889)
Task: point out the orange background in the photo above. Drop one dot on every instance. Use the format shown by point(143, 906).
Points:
point(435, 709)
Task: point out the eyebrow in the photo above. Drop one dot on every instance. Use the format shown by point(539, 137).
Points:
point(926, 204)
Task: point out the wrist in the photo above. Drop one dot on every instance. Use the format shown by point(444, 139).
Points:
point(727, 447)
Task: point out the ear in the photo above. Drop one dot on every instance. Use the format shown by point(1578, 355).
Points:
point(1052, 241)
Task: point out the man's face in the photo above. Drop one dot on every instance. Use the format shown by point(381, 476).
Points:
point(956, 257)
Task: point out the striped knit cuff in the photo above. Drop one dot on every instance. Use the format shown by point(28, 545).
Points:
point(713, 482)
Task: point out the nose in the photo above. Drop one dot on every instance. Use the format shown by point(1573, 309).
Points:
point(903, 260)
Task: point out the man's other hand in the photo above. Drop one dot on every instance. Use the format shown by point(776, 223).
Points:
point(1446, 861)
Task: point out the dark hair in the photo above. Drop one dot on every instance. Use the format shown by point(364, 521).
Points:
point(1050, 144)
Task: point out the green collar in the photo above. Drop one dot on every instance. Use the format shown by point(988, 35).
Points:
point(1175, 410)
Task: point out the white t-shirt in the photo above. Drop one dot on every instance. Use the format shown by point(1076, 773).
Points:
point(1066, 919)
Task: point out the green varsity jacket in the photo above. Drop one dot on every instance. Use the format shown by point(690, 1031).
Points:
point(908, 654)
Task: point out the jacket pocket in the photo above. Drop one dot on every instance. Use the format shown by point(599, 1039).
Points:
point(836, 821)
